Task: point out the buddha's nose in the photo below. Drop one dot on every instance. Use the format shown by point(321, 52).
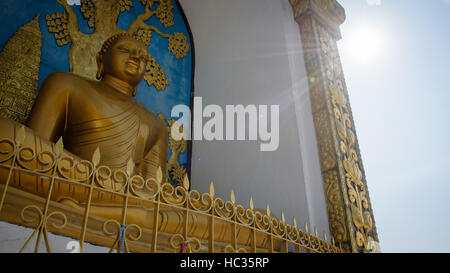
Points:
point(134, 55)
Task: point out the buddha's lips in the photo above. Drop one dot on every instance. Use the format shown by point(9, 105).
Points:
point(133, 64)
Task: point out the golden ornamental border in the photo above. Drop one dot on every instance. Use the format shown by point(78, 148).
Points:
point(350, 214)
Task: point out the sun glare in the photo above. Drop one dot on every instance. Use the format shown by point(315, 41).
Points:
point(365, 44)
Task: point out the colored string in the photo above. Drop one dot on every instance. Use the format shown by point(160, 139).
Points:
point(122, 238)
point(184, 247)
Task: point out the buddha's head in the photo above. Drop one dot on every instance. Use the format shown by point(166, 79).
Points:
point(123, 56)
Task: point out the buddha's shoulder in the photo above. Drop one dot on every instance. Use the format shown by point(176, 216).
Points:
point(67, 79)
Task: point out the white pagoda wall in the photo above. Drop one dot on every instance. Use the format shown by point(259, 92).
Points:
point(250, 52)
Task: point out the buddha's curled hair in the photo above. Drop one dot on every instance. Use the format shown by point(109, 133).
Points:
point(107, 44)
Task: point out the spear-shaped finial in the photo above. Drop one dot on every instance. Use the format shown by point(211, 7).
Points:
point(59, 147)
point(268, 210)
point(130, 166)
point(159, 175)
point(294, 222)
point(186, 182)
point(250, 203)
point(211, 190)
point(232, 197)
point(96, 157)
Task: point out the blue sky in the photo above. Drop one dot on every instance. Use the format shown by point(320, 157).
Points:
point(396, 61)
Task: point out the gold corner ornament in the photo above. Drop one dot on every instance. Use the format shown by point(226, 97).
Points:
point(350, 213)
point(103, 16)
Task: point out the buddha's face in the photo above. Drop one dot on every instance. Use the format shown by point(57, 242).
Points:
point(126, 59)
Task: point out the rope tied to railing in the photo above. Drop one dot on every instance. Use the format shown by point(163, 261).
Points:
point(185, 247)
point(122, 238)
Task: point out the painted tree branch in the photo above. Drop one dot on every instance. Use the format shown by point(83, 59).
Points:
point(103, 17)
point(72, 22)
point(140, 19)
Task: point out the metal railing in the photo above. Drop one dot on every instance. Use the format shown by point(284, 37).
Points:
point(127, 213)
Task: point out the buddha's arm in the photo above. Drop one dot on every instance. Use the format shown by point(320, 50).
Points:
point(156, 157)
point(48, 116)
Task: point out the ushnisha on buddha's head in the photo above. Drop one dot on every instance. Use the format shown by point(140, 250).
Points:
point(122, 61)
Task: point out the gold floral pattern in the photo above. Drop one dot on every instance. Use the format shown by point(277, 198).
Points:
point(125, 5)
point(349, 211)
point(57, 24)
point(145, 35)
point(155, 75)
point(164, 13)
point(178, 45)
point(88, 11)
point(178, 173)
point(177, 147)
point(358, 202)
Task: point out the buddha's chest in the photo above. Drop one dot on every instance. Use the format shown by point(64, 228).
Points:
point(117, 127)
point(100, 106)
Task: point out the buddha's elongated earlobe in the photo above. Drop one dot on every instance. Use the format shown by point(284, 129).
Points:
point(100, 70)
point(134, 91)
point(99, 75)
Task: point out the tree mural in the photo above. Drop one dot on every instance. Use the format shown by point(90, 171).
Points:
point(103, 16)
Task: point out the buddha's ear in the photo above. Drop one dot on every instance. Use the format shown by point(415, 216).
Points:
point(100, 69)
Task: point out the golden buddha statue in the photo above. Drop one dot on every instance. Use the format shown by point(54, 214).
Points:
point(90, 114)
point(103, 114)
